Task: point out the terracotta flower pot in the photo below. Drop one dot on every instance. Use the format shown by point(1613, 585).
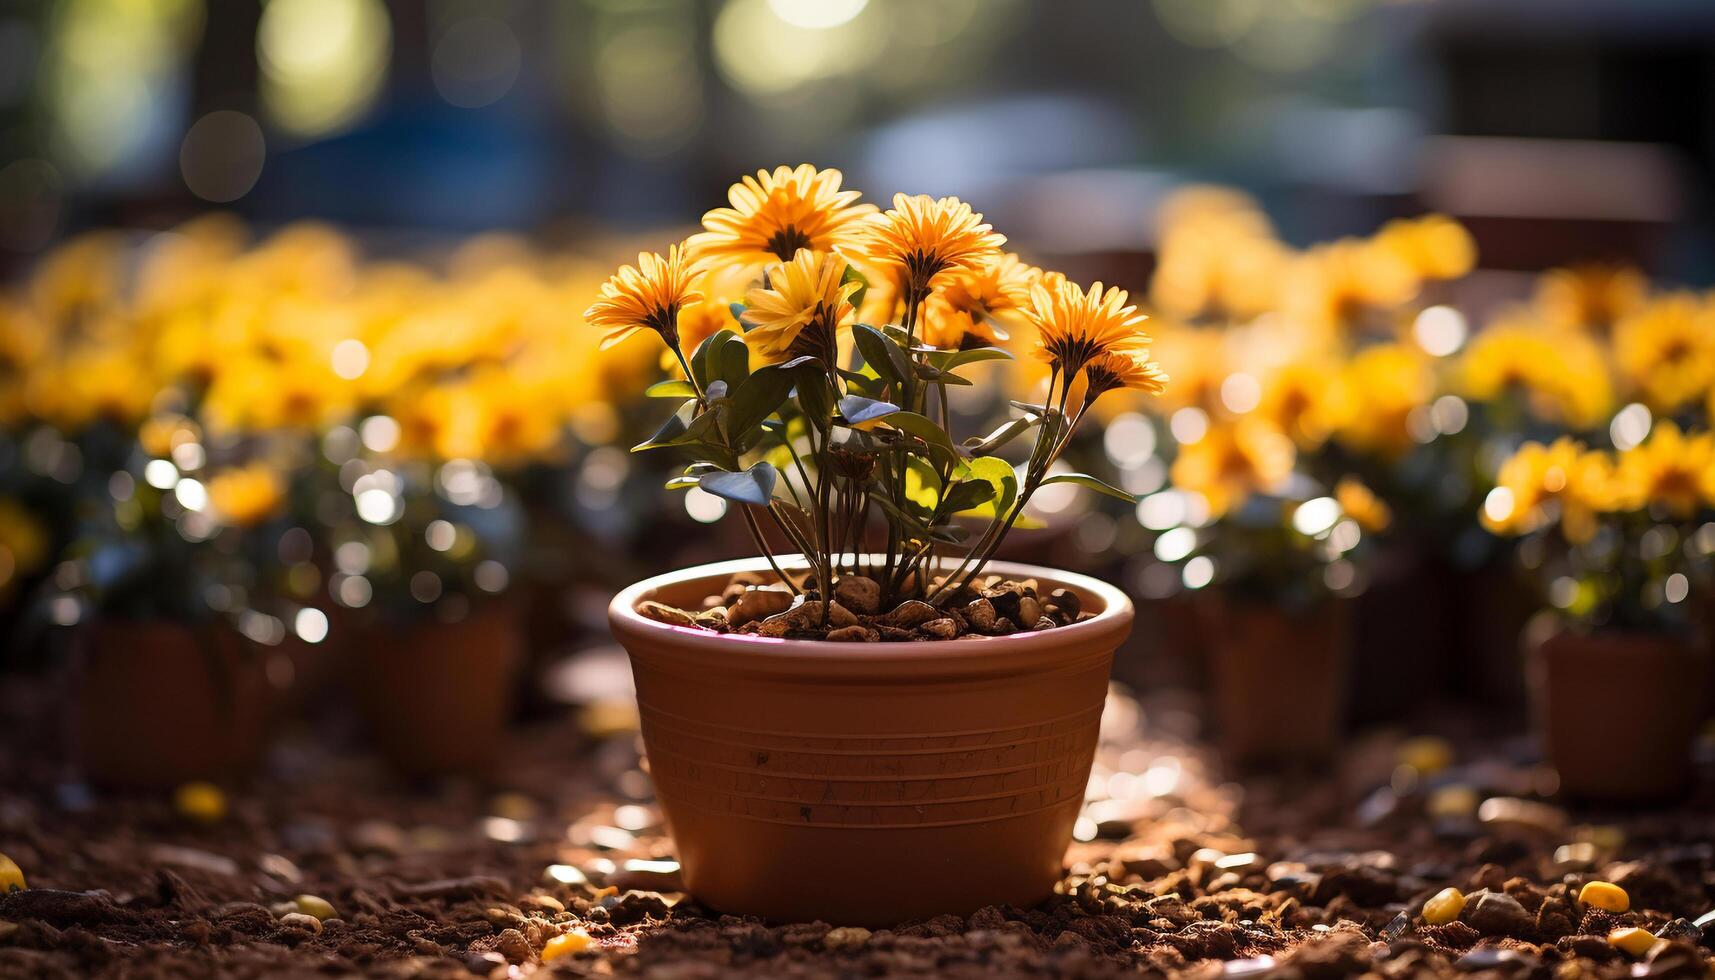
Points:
point(160, 703)
point(437, 695)
point(1278, 679)
point(869, 783)
point(1618, 712)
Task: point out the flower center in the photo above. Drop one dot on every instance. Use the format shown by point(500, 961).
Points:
point(786, 242)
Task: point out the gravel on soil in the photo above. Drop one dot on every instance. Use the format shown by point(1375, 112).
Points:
point(1176, 872)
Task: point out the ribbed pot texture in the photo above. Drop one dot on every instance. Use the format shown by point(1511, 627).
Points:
point(869, 783)
point(1618, 712)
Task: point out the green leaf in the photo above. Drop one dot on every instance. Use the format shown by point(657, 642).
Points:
point(922, 483)
point(753, 486)
point(730, 362)
point(928, 373)
point(816, 398)
point(911, 522)
point(1005, 433)
point(1086, 480)
point(948, 360)
point(671, 430)
point(1001, 477)
point(673, 388)
point(681, 483)
point(950, 533)
point(760, 396)
point(967, 494)
point(887, 358)
point(928, 431)
point(856, 410)
point(853, 275)
point(700, 368)
point(738, 314)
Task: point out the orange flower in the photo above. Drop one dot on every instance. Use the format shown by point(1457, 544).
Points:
point(1123, 369)
point(247, 495)
point(805, 308)
point(774, 214)
point(1232, 461)
point(983, 303)
point(1362, 505)
point(925, 237)
point(1074, 326)
point(646, 296)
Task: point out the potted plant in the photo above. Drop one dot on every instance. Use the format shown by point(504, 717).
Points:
point(171, 683)
point(824, 724)
point(1618, 681)
point(1271, 556)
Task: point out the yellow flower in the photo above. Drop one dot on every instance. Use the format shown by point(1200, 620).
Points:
point(1198, 358)
point(1386, 383)
point(160, 435)
point(1563, 377)
point(924, 237)
point(646, 296)
point(248, 495)
point(1539, 483)
point(1671, 470)
point(98, 380)
point(1594, 296)
point(1434, 246)
point(774, 214)
point(23, 543)
point(803, 310)
point(262, 393)
point(1232, 461)
point(1334, 284)
point(1305, 399)
point(497, 417)
point(1074, 326)
point(1115, 370)
point(1667, 350)
point(1362, 505)
point(982, 303)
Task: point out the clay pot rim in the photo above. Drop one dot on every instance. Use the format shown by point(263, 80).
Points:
point(1115, 616)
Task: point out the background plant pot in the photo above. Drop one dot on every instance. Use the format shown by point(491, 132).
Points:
point(869, 783)
point(1278, 678)
point(1618, 710)
point(437, 695)
point(160, 703)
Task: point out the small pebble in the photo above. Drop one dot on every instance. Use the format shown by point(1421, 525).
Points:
point(846, 937)
point(298, 920)
point(1604, 895)
point(663, 613)
point(1633, 940)
point(1497, 914)
point(1444, 907)
point(755, 604)
point(202, 802)
point(566, 943)
point(315, 905)
point(11, 876)
point(859, 594)
point(853, 634)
